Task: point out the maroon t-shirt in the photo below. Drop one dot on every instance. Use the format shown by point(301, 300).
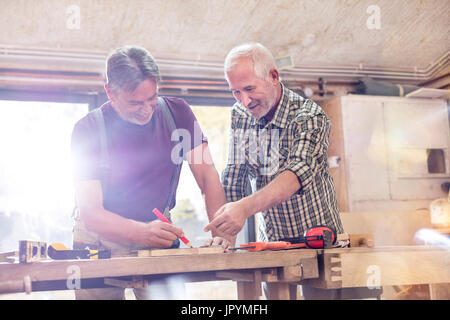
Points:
point(140, 157)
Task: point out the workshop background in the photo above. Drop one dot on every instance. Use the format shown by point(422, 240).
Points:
point(379, 68)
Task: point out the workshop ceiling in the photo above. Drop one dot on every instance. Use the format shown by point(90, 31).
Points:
point(410, 36)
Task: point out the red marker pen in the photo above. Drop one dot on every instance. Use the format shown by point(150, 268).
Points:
point(164, 219)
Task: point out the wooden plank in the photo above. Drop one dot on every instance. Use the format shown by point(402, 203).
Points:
point(246, 290)
point(12, 286)
point(361, 240)
point(9, 257)
point(440, 291)
point(243, 276)
point(310, 268)
point(306, 269)
point(278, 291)
point(257, 282)
point(179, 251)
point(291, 274)
point(135, 282)
point(395, 268)
point(117, 267)
point(389, 228)
point(364, 143)
point(333, 109)
point(373, 267)
point(250, 290)
point(327, 272)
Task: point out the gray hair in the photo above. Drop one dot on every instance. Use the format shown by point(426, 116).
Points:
point(262, 58)
point(127, 67)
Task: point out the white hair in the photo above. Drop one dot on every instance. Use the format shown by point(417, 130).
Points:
point(262, 58)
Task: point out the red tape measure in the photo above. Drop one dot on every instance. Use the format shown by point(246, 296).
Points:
point(314, 237)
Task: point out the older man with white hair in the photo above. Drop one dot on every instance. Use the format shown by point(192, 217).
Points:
point(281, 140)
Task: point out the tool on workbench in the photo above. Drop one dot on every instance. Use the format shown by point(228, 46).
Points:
point(164, 219)
point(29, 251)
point(59, 251)
point(9, 256)
point(261, 246)
point(319, 237)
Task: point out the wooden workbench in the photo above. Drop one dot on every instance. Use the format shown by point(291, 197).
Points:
point(382, 266)
point(247, 268)
point(329, 269)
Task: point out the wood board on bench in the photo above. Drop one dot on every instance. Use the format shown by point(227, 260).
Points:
point(180, 251)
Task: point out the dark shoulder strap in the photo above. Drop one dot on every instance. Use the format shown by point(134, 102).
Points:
point(172, 126)
point(104, 156)
point(167, 114)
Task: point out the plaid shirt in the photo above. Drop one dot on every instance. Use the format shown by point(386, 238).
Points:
point(296, 139)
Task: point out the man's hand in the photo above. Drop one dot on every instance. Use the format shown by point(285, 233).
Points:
point(229, 219)
point(220, 241)
point(158, 234)
point(217, 241)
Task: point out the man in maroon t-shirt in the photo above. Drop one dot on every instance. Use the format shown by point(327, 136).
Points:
point(116, 212)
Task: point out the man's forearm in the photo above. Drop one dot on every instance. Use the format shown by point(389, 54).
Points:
point(214, 199)
point(205, 174)
point(231, 217)
point(110, 225)
point(214, 195)
point(276, 192)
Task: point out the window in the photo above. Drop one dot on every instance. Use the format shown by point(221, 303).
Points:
point(36, 190)
point(190, 212)
point(435, 161)
point(417, 162)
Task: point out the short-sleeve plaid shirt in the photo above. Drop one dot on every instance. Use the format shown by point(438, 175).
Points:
point(296, 139)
